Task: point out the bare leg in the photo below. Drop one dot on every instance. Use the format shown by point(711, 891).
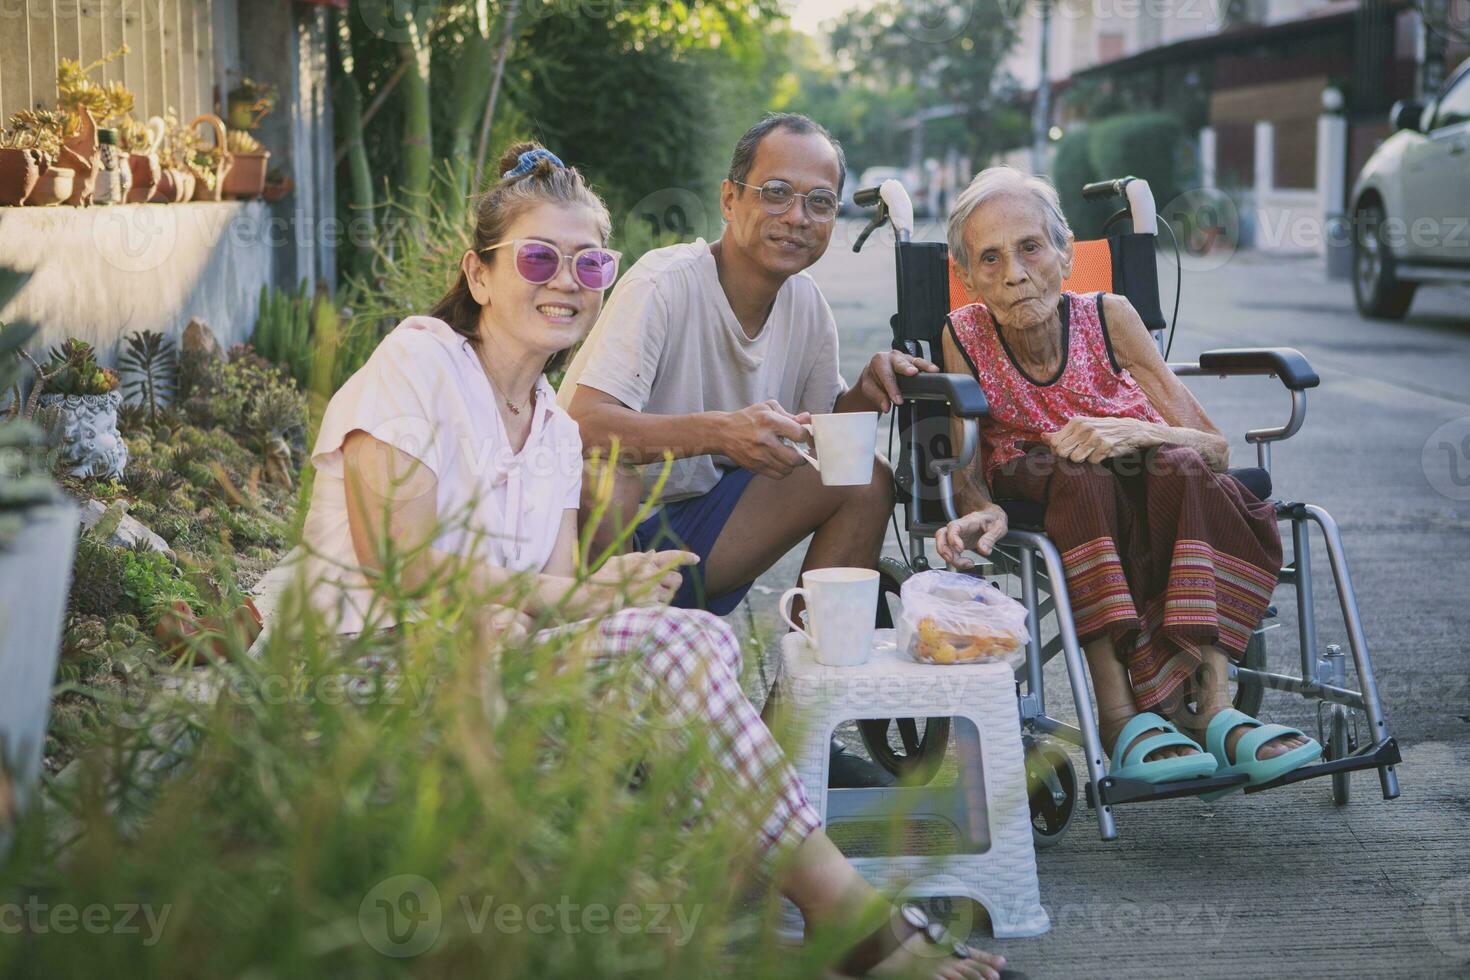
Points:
point(847, 524)
point(827, 888)
point(1212, 683)
point(1115, 705)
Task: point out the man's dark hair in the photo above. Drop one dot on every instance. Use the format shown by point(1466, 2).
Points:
point(792, 122)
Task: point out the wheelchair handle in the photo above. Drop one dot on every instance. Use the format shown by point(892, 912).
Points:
point(1098, 190)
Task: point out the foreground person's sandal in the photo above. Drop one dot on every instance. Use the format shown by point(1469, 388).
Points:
point(905, 922)
point(1254, 769)
point(1135, 764)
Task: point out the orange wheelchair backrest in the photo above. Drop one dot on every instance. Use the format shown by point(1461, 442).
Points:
point(1092, 272)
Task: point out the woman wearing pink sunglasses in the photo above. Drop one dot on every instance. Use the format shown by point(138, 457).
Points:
point(448, 444)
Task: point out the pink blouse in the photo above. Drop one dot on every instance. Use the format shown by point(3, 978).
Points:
point(424, 392)
point(1089, 382)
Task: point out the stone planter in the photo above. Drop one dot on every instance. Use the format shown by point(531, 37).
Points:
point(19, 171)
point(246, 176)
point(52, 187)
point(38, 560)
point(91, 446)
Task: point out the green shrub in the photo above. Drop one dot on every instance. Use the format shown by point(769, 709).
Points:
point(1071, 169)
point(1150, 145)
point(152, 583)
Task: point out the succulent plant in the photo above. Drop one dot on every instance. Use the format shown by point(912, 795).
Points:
point(73, 370)
point(152, 364)
point(134, 136)
point(240, 141)
point(76, 91)
point(37, 129)
point(25, 480)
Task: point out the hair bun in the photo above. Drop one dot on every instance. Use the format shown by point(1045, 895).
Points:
point(529, 160)
point(512, 155)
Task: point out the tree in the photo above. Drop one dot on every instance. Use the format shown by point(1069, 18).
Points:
point(946, 54)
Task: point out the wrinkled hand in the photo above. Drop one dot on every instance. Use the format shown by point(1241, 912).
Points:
point(1092, 440)
point(647, 578)
point(753, 438)
point(976, 531)
point(878, 383)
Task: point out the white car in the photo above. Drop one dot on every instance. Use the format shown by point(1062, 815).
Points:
point(1411, 203)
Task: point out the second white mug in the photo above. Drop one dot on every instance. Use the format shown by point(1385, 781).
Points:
point(841, 605)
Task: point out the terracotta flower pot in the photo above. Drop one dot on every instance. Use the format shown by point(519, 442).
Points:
point(146, 174)
point(52, 187)
point(177, 627)
point(246, 176)
point(278, 190)
point(83, 155)
point(19, 171)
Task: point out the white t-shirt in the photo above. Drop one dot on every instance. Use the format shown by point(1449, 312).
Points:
point(668, 343)
point(424, 392)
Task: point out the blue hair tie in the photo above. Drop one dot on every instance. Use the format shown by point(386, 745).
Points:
point(527, 161)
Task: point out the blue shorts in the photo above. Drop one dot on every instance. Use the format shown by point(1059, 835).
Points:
point(695, 525)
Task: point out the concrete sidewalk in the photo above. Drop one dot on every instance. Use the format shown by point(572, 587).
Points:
point(1283, 883)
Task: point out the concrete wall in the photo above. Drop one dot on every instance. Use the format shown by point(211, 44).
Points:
point(100, 273)
point(286, 45)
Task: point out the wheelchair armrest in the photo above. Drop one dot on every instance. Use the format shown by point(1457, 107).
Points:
point(961, 391)
point(1287, 364)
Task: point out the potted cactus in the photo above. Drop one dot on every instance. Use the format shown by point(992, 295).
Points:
point(248, 160)
point(87, 397)
point(141, 142)
point(42, 131)
point(91, 106)
point(20, 167)
point(248, 103)
point(38, 530)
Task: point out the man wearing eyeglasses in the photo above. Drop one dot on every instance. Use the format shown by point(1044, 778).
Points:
point(716, 354)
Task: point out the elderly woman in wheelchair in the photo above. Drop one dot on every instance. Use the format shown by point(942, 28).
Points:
point(1170, 561)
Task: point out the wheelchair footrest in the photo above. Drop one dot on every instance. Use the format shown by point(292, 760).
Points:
point(1116, 791)
point(1385, 753)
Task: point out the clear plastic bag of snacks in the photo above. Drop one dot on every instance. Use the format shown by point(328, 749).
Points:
point(949, 618)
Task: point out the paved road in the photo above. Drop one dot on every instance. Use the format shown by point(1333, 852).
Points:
point(1285, 883)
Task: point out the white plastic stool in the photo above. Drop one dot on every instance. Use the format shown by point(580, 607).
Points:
point(987, 808)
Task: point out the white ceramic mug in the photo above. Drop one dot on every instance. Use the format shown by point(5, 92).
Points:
point(846, 443)
point(840, 607)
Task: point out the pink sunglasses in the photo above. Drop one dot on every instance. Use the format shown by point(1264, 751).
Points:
point(538, 263)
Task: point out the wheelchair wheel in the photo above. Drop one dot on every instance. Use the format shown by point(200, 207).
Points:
point(1248, 691)
point(922, 749)
point(1051, 788)
point(1339, 745)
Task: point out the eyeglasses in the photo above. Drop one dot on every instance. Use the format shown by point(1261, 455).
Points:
point(778, 196)
point(538, 263)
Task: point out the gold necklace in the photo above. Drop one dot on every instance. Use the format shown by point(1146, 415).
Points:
point(508, 403)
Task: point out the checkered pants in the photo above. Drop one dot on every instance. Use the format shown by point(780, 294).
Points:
point(693, 660)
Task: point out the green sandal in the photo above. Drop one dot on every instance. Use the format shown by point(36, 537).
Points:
point(1132, 764)
point(1255, 770)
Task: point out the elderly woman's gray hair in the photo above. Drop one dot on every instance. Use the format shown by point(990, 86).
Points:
point(993, 182)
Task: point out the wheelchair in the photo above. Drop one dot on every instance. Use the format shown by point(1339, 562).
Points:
point(1123, 262)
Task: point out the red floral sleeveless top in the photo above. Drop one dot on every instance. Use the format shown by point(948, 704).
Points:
point(1088, 383)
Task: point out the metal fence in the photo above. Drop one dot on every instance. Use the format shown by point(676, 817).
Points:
point(170, 63)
